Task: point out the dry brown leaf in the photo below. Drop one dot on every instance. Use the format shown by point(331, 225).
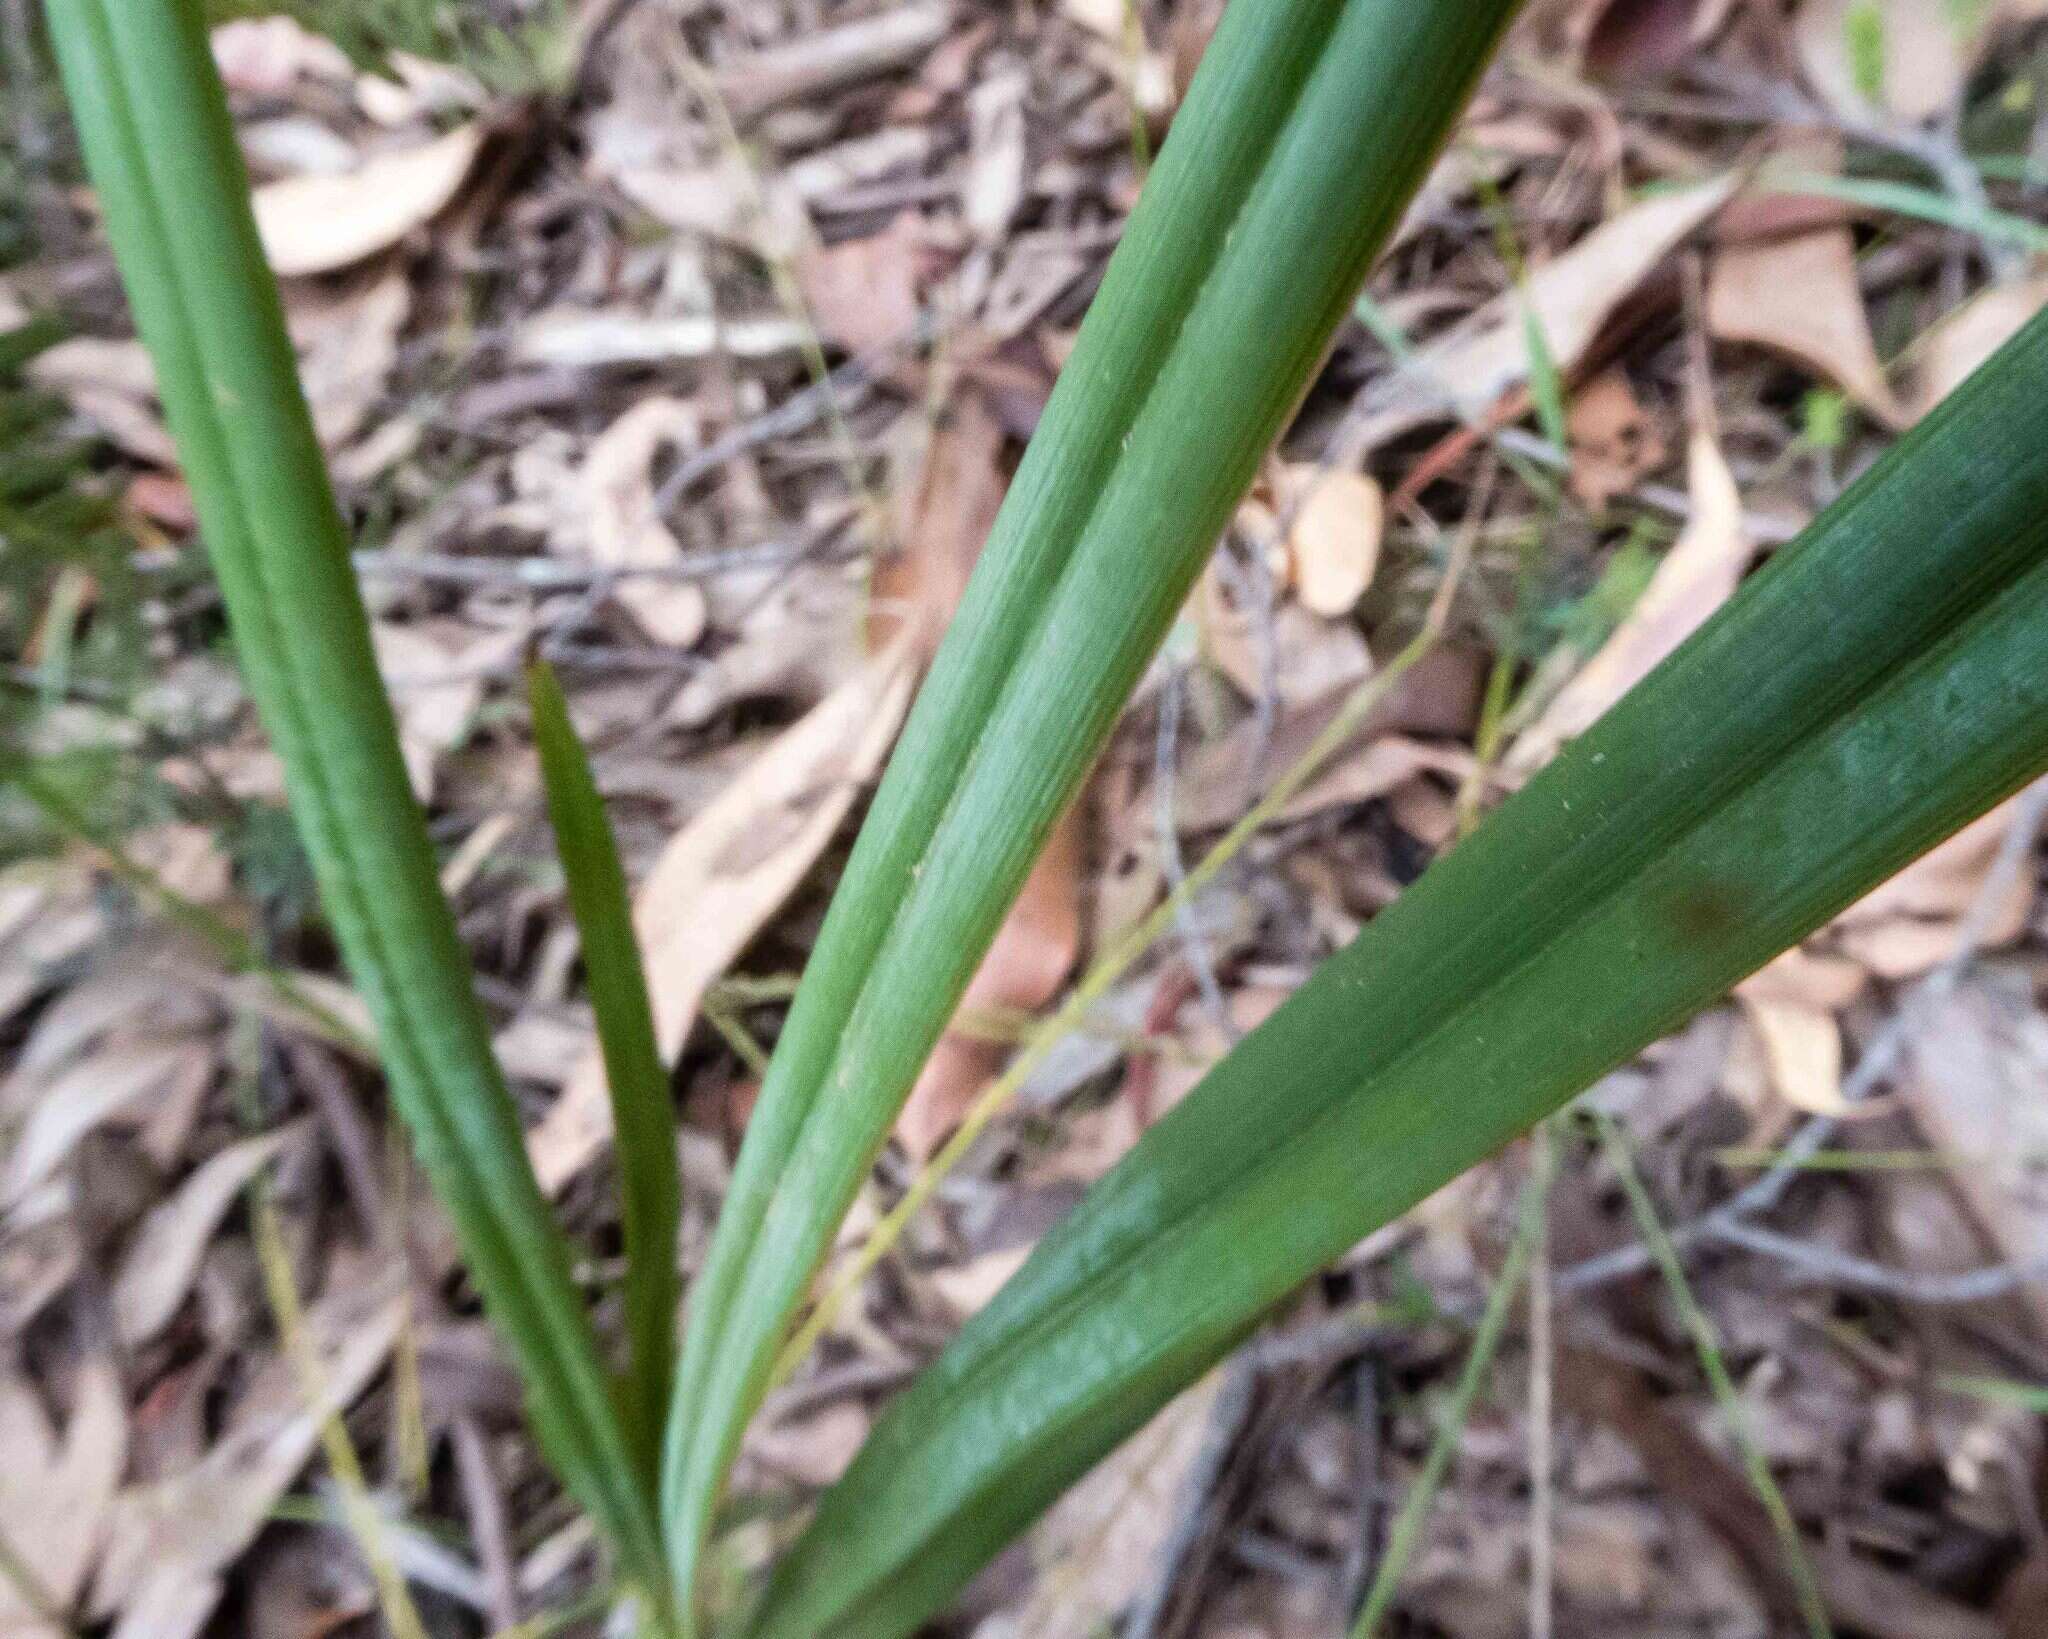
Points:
point(55, 1495)
point(957, 495)
point(167, 1542)
point(1632, 39)
point(1912, 923)
point(318, 224)
point(1947, 355)
point(624, 523)
point(1930, 47)
point(1099, 1547)
point(1802, 1049)
point(1463, 372)
point(1978, 1068)
point(813, 1450)
point(725, 874)
point(1615, 442)
point(1695, 578)
point(969, 1287)
point(347, 342)
point(113, 386)
point(863, 293)
point(1310, 658)
point(267, 56)
point(97, 1088)
point(1022, 972)
point(998, 168)
point(164, 1254)
point(436, 671)
point(1333, 545)
point(1799, 297)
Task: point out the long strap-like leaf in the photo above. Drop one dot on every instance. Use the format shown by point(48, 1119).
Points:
point(1883, 681)
point(154, 125)
point(1304, 134)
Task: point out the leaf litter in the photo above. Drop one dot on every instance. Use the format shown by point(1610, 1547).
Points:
point(554, 359)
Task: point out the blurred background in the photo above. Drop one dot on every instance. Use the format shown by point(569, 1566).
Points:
point(690, 344)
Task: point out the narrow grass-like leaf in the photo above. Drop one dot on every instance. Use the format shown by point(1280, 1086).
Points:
point(643, 1113)
point(1872, 689)
point(1303, 136)
point(153, 123)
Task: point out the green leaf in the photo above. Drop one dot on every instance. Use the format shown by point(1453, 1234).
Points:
point(1876, 686)
point(153, 122)
point(643, 1112)
point(1302, 138)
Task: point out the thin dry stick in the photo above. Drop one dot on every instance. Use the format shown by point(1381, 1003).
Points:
point(1406, 1533)
point(1113, 965)
point(1707, 1344)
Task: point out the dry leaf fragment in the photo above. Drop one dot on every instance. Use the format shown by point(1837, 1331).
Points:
point(624, 520)
point(1463, 372)
point(96, 1089)
point(1964, 339)
point(1802, 1051)
point(1334, 544)
point(959, 490)
point(725, 873)
point(317, 224)
point(1913, 922)
point(1923, 49)
point(55, 1495)
point(168, 1541)
point(1099, 1547)
point(1696, 577)
point(863, 293)
point(1022, 972)
point(164, 1255)
point(1615, 442)
point(436, 671)
point(1799, 297)
point(1975, 1092)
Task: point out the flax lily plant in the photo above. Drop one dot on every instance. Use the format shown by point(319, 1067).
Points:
point(1876, 686)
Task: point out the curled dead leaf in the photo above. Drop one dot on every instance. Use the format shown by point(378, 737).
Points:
point(317, 224)
point(624, 519)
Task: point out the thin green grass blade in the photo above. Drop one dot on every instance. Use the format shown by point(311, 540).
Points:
point(643, 1113)
point(1882, 681)
point(153, 123)
point(1305, 133)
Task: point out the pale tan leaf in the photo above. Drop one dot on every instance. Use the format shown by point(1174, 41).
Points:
point(815, 60)
point(318, 224)
point(1947, 355)
point(1694, 579)
point(624, 520)
point(863, 293)
point(1615, 442)
point(1913, 922)
point(1928, 49)
point(167, 1540)
point(1292, 655)
point(96, 1089)
point(55, 1496)
point(968, 1287)
point(1809, 979)
point(164, 1254)
point(1463, 372)
point(725, 874)
point(436, 671)
point(1799, 297)
point(1099, 1547)
point(1334, 544)
point(1802, 1050)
